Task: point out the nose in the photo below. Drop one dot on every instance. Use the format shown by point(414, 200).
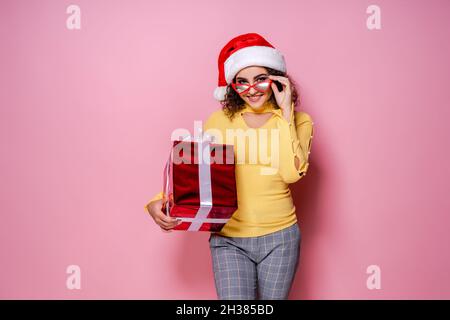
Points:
point(252, 91)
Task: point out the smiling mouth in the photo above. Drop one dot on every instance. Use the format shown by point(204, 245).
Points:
point(254, 99)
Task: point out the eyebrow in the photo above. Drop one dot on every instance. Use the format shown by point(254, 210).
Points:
point(262, 74)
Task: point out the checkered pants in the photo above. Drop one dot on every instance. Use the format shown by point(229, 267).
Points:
point(257, 267)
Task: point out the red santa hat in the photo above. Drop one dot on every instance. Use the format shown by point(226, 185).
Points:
point(246, 50)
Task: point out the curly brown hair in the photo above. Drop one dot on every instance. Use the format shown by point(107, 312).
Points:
point(233, 103)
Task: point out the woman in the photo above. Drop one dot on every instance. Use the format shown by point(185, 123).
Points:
point(256, 254)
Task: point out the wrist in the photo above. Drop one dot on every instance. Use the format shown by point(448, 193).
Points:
point(287, 114)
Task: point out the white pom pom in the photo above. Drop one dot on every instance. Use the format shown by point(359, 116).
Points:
point(219, 93)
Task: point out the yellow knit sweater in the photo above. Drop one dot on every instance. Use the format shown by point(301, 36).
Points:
point(265, 203)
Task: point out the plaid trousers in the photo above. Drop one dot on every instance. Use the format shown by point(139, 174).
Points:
point(249, 268)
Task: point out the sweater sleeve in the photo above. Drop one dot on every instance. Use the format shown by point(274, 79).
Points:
point(157, 196)
point(295, 141)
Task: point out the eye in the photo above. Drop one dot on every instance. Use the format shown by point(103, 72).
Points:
point(257, 80)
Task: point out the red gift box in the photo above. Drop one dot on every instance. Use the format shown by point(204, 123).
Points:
point(199, 184)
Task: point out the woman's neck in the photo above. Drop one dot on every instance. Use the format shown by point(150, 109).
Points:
point(266, 107)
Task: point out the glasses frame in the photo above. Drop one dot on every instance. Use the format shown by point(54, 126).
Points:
point(234, 85)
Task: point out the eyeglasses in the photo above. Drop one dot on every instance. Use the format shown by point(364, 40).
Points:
point(261, 86)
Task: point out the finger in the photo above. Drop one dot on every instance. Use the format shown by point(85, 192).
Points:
point(274, 87)
point(159, 221)
point(282, 80)
point(168, 225)
point(276, 77)
point(279, 78)
point(165, 230)
point(166, 218)
point(284, 83)
point(173, 224)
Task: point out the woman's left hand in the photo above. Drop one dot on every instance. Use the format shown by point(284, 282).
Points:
point(283, 98)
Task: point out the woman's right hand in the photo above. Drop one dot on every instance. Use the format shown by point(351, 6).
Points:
point(166, 223)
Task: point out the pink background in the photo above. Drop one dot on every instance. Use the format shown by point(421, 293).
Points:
point(86, 118)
